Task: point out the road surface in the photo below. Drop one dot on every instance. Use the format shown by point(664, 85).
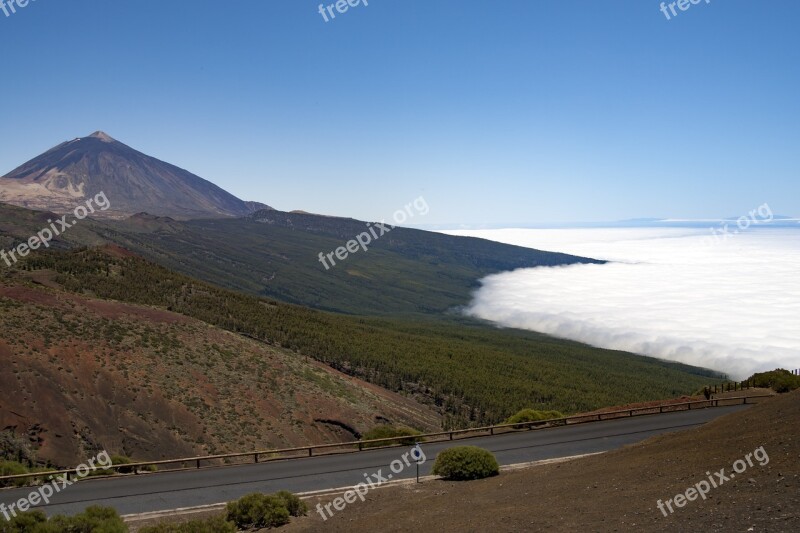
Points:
point(190, 488)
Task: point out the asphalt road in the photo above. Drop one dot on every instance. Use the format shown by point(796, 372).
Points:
point(190, 488)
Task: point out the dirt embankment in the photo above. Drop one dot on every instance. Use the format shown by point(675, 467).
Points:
point(79, 374)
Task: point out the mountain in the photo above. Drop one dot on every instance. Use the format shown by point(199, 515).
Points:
point(248, 246)
point(64, 176)
point(276, 254)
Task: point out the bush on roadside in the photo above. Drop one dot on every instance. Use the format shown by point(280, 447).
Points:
point(93, 520)
point(779, 380)
point(258, 511)
point(23, 522)
point(122, 460)
point(386, 431)
point(12, 468)
point(294, 504)
point(217, 524)
point(531, 415)
point(464, 463)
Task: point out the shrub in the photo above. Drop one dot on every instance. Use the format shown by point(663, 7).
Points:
point(13, 468)
point(258, 511)
point(28, 521)
point(94, 520)
point(531, 415)
point(294, 504)
point(466, 462)
point(778, 380)
point(386, 431)
point(217, 524)
point(122, 460)
point(117, 460)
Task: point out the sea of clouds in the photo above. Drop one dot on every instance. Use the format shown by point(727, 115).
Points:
point(732, 305)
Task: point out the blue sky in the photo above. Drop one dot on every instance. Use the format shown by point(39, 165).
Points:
point(496, 112)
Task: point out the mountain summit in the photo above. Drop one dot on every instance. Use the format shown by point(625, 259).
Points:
point(103, 136)
point(64, 176)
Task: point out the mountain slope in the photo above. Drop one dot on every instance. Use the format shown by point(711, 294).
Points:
point(474, 373)
point(61, 178)
point(275, 254)
point(79, 373)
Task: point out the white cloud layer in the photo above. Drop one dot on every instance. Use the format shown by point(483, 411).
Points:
point(732, 306)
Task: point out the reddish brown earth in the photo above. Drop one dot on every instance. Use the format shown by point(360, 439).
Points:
point(79, 374)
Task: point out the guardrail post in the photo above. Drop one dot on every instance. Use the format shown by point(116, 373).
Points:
point(198, 463)
point(255, 456)
point(451, 435)
point(360, 446)
point(310, 452)
point(491, 431)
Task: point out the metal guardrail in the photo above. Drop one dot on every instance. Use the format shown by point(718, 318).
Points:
point(564, 421)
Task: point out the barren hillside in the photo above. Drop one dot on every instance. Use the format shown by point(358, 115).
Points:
point(78, 374)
